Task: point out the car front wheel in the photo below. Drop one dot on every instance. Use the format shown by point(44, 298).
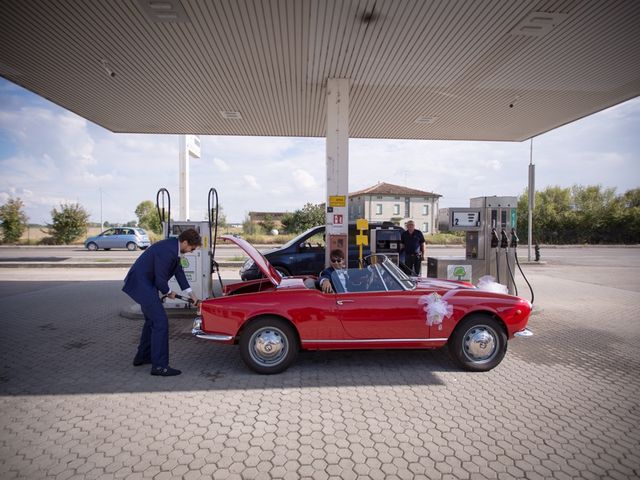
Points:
point(92, 246)
point(478, 343)
point(131, 246)
point(268, 345)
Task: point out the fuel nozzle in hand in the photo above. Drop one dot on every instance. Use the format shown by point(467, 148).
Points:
point(514, 238)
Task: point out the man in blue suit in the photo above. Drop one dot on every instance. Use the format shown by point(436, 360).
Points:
point(337, 263)
point(149, 275)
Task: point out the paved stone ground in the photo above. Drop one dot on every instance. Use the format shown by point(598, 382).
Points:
point(563, 404)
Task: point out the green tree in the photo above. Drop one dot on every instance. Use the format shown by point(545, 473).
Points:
point(14, 220)
point(268, 224)
point(593, 209)
point(309, 216)
point(148, 216)
point(69, 223)
point(580, 214)
point(631, 198)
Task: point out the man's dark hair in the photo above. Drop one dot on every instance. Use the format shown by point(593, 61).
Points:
point(192, 237)
point(337, 253)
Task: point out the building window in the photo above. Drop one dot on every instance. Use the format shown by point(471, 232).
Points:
point(378, 209)
point(425, 209)
point(396, 209)
point(407, 207)
point(425, 227)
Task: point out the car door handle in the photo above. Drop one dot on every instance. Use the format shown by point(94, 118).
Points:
point(342, 302)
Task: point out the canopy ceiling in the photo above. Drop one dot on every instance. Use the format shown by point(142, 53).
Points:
point(474, 70)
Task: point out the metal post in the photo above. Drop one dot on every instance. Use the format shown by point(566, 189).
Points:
point(183, 178)
point(337, 215)
point(532, 199)
point(189, 146)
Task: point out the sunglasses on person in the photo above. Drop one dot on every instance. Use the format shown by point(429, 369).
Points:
point(336, 259)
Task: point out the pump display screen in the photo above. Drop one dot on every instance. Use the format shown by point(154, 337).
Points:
point(465, 219)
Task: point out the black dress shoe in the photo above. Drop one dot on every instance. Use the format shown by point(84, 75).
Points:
point(141, 361)
point(165, 371)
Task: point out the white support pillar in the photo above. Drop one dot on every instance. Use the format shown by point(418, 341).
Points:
point(189, 146)
point(337, 218)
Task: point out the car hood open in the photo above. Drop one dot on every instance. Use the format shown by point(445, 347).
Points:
point(263, 264)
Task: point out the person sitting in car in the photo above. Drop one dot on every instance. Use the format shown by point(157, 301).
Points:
point(337, 264)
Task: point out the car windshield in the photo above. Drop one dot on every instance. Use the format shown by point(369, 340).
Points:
point(140, 231)
point(380, 275)
point(297, 239)
point(393, 269)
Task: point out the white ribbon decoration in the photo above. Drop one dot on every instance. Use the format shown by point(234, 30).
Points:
point(488, 284)
point(436, 309)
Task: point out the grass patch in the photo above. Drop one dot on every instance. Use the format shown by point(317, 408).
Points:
point(104, 260)
point(269, 239)
point(445, 239)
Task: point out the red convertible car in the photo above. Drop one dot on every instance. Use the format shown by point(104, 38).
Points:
point(376, 307)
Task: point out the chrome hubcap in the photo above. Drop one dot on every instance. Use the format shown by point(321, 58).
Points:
point(268, 346)
point(480, 344)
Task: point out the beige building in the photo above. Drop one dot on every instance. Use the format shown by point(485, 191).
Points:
point(385, 202)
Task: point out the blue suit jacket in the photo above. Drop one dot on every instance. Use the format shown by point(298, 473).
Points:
point(152, 271)
point(326, 274)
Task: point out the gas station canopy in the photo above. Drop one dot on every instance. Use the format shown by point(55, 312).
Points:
point(417, 69)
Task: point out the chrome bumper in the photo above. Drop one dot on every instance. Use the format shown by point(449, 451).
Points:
point(524, 333)
point(197, 331)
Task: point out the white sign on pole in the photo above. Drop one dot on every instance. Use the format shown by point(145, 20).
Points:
point(193, 145)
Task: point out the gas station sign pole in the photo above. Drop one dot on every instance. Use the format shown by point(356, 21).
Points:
point(337, 216)
point(189, 146)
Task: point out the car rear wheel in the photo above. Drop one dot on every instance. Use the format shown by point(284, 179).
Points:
point(268, 345)
point(92, 246)
point(478, 343)
point(131, 246)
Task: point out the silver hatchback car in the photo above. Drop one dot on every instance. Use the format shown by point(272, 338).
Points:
point(119, 237)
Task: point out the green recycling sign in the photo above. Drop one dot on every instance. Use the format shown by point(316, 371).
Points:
point(459, 272)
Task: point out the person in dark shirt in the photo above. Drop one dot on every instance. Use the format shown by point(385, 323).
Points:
point(413, 247)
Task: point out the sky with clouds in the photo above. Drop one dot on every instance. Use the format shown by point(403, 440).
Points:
point(50, 156)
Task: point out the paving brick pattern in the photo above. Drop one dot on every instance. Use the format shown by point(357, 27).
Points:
point(563, 404)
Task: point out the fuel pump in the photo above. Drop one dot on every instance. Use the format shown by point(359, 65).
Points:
point(197, 265)
point(386, 240)
point(485, 223)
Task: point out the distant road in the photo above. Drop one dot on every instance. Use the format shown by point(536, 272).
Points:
point(587, 256)
point(77, 253)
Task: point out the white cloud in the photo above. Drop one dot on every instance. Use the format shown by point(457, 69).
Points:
point(221, 165)
point(48, 156)
point(251, 181)
point(304, 179)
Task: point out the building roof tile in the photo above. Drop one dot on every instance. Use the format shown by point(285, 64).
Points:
point(383, 188)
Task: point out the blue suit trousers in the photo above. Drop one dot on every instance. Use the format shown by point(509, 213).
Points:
point(154, 340)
